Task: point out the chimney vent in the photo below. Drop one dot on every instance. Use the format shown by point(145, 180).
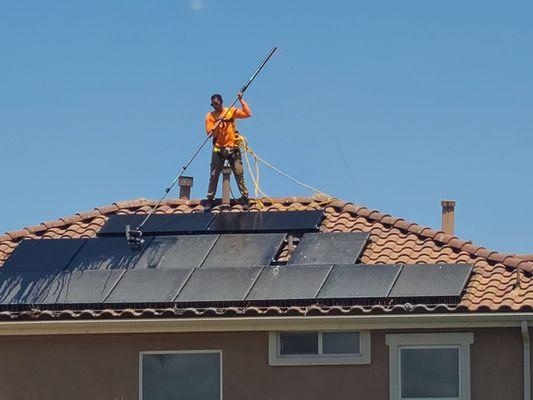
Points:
point(185, 184)
point(226, 185)
point(448, 216)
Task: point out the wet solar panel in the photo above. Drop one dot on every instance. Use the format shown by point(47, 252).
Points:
point(244, 250)
point(289, 282)
point(269, 221)
point(431, 280)
point(359, 281)
point(186, 251)
point(148, 286)
point(105, 253)
point(84, 286)
point(218, 284)
point(26, 288)
point(157, 224)
point(42, 255)
point(329, 248)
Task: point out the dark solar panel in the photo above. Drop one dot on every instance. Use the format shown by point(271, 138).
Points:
point(105, 253)
point(45, 255)
point(359, 281)
point(244, 250)
point(289, 282)
point(219, 284)
point(187, 251)
point(148, 286)
point(84, 286)
point(26, 288)
point(270, 221)
point(329, 248)
point(431, 280)
point(157, 224)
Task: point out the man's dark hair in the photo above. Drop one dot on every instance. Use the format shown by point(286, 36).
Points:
point(216, 96)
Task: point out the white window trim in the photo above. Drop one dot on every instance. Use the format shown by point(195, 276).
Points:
point(460, 340)
point(141, 353)
point(276, 359)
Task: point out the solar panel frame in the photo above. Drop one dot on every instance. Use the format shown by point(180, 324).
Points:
point(148, 286)
point(218, 284)
point(267, 221)
point(360, 281)
point(43, 255)
point(295, 282)
point(184, 251)
point(329, 248)
point(431, 280)
point(244, 250)
point(157, 224)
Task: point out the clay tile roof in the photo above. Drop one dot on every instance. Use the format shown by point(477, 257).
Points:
point(499, 282)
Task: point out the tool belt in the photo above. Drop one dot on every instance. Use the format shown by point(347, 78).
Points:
point(226, 152)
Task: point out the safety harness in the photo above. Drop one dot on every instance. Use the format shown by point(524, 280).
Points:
point(228, 152)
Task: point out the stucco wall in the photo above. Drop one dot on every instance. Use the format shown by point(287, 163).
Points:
point(106, 367)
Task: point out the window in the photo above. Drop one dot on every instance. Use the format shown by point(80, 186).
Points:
point(319, 348)
point(429, 366)
point(181, 375)
point(297, 344)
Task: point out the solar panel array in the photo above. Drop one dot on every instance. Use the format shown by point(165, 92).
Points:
point(207, 223)
point(231, 284)
point(230, 260)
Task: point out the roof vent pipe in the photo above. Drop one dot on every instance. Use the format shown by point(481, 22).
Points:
point(185, 184)
point(448, 216)
point(226, 185)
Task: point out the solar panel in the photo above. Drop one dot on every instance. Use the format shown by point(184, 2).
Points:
point(187, 251)
point(46, 255)
point(270, 221)
point(431, 280)
point(289, 282)
point(244, 250)
point(219, 284)
point(84, 286)
point(157, 224)
point(148, 286)
point(359, 281)
point(329, 248)
point(105, 253)
point(26, 288)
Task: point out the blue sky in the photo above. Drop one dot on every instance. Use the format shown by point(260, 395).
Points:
point(104, 101)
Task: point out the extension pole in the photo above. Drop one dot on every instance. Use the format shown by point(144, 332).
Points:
point(132, 234)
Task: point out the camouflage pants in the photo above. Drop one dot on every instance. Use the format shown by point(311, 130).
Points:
point(235, 163)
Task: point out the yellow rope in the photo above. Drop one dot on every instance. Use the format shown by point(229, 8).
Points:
point(246, 149)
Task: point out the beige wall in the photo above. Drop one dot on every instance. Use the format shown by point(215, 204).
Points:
point(105, 367)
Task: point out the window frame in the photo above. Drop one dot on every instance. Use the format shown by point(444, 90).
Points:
point(142, 353)
point(275, 358)
point(459, 340)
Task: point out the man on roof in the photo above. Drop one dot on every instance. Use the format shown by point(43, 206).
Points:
point(226, 145)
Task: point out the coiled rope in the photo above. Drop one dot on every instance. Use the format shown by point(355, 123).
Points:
point(255, 174)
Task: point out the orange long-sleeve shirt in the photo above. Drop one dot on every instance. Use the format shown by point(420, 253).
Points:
point(225, 134)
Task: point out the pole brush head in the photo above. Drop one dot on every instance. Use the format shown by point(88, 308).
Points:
point(134, 238)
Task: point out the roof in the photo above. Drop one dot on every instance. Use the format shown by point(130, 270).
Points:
point(499, 282)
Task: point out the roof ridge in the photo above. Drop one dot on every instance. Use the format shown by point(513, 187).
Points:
point(511, 261)
point(121, 205)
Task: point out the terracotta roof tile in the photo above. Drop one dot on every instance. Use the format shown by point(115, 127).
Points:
point(493, 285)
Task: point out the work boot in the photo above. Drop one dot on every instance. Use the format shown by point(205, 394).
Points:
point(208, 205)
point(245, 201)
